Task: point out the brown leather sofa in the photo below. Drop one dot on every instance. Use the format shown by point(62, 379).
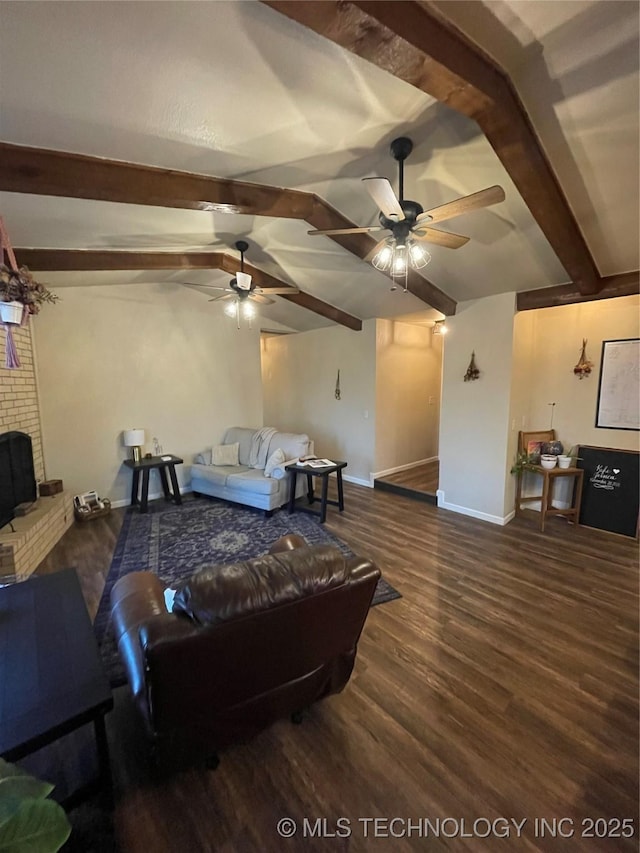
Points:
point(245, 644)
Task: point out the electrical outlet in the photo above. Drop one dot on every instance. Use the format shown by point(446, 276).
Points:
point(365, 414)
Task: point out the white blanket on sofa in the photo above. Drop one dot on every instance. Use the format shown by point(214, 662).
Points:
point(260, 447)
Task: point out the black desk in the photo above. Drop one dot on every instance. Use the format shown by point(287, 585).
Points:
point(295, 469)
point(51, 677)
point(163, 464)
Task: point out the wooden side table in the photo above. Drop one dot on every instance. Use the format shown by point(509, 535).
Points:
point(294, 469)
point(549, 477)
point(164, 463)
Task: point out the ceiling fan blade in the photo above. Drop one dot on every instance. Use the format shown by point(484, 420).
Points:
point(263, 300)
point(440, 238)
point(223, 298)
point(243, 280)
point(276, 290)
point(347, 230)
point(210, 286)
point(484, 198)
point(382, 193)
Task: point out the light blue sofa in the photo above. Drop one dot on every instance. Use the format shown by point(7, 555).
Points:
point(244, 484)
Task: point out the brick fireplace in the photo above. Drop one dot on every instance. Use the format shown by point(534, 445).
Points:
point(32, 537)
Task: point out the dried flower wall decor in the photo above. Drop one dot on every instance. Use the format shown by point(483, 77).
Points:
point(583, 367)
point(19, 293)
point(472, 371)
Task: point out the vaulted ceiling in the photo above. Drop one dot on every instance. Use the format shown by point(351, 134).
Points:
point(307, 96)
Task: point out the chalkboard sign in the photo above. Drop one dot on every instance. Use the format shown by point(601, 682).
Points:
point(610, 489)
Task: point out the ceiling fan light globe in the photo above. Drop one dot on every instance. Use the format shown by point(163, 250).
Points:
point(382, 258)
point(399, 263)
point(418, 256)
point(248, 311)
point(231, 309)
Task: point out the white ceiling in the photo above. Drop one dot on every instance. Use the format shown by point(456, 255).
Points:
point(234, 89)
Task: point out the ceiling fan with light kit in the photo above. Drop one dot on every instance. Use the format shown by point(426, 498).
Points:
point(408, 222)
point(242, 291)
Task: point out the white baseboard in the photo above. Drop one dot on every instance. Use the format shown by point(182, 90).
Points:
point(358, 481)
point(152, 497)
point(473, 513)
point(377, 474)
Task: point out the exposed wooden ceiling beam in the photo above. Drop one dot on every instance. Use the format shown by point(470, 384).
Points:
point(419, 46)
point(71, 260)
point(58, 173)
point(100, 259)
point(624, 284)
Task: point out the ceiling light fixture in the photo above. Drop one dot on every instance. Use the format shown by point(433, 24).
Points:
point(439, 328)
point(397, 254)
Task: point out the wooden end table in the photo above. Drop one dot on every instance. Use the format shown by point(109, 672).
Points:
point(164, 463)
point(336, 468)
point(51, 676)
point(549, 476)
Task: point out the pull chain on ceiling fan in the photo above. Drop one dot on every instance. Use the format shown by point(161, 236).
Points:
point(409, 223)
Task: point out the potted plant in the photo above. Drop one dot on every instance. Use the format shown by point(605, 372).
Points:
point(523, 463)
point(20, 291)
point(28, 820)
point(568, 460)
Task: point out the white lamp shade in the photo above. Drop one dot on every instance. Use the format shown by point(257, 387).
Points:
point(133, 437)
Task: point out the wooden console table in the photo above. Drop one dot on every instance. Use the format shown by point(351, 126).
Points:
point(163, 464)
point(549, 477)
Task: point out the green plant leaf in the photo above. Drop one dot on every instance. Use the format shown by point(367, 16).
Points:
point(24, 788)
point(38, 826)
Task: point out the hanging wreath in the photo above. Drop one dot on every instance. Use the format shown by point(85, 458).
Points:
point(583, 367)
point(472, 371)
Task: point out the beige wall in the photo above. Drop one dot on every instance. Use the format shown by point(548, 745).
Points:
point(527, 362)
point(151, 356)
point(299, 378)
point(552, 340)
point(408, 379)
point(557, 335)
point(474, 425)
point(520, 409)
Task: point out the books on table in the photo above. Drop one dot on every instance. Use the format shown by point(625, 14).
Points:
point(316, 463)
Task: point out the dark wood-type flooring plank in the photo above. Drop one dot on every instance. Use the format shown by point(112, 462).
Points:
point(420, 478)
point(504, 684)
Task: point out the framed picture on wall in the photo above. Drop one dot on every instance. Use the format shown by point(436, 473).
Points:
point(619, 385)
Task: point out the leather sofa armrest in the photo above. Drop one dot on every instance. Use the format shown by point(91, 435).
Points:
point(361, 569)
point(287, 543)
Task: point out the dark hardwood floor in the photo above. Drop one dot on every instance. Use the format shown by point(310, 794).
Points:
point(420, 482)
point(503, 685)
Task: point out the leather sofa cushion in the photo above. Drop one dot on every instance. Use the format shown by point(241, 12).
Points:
point(223, 592)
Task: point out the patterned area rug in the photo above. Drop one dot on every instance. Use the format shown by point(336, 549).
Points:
point(174, 542)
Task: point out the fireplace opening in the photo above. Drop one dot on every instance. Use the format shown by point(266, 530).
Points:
point(17, 475)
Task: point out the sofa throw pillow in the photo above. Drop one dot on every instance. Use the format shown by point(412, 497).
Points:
point(276, 459)
point(225, 454)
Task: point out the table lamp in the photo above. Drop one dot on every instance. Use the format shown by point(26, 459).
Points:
point(134, 438)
